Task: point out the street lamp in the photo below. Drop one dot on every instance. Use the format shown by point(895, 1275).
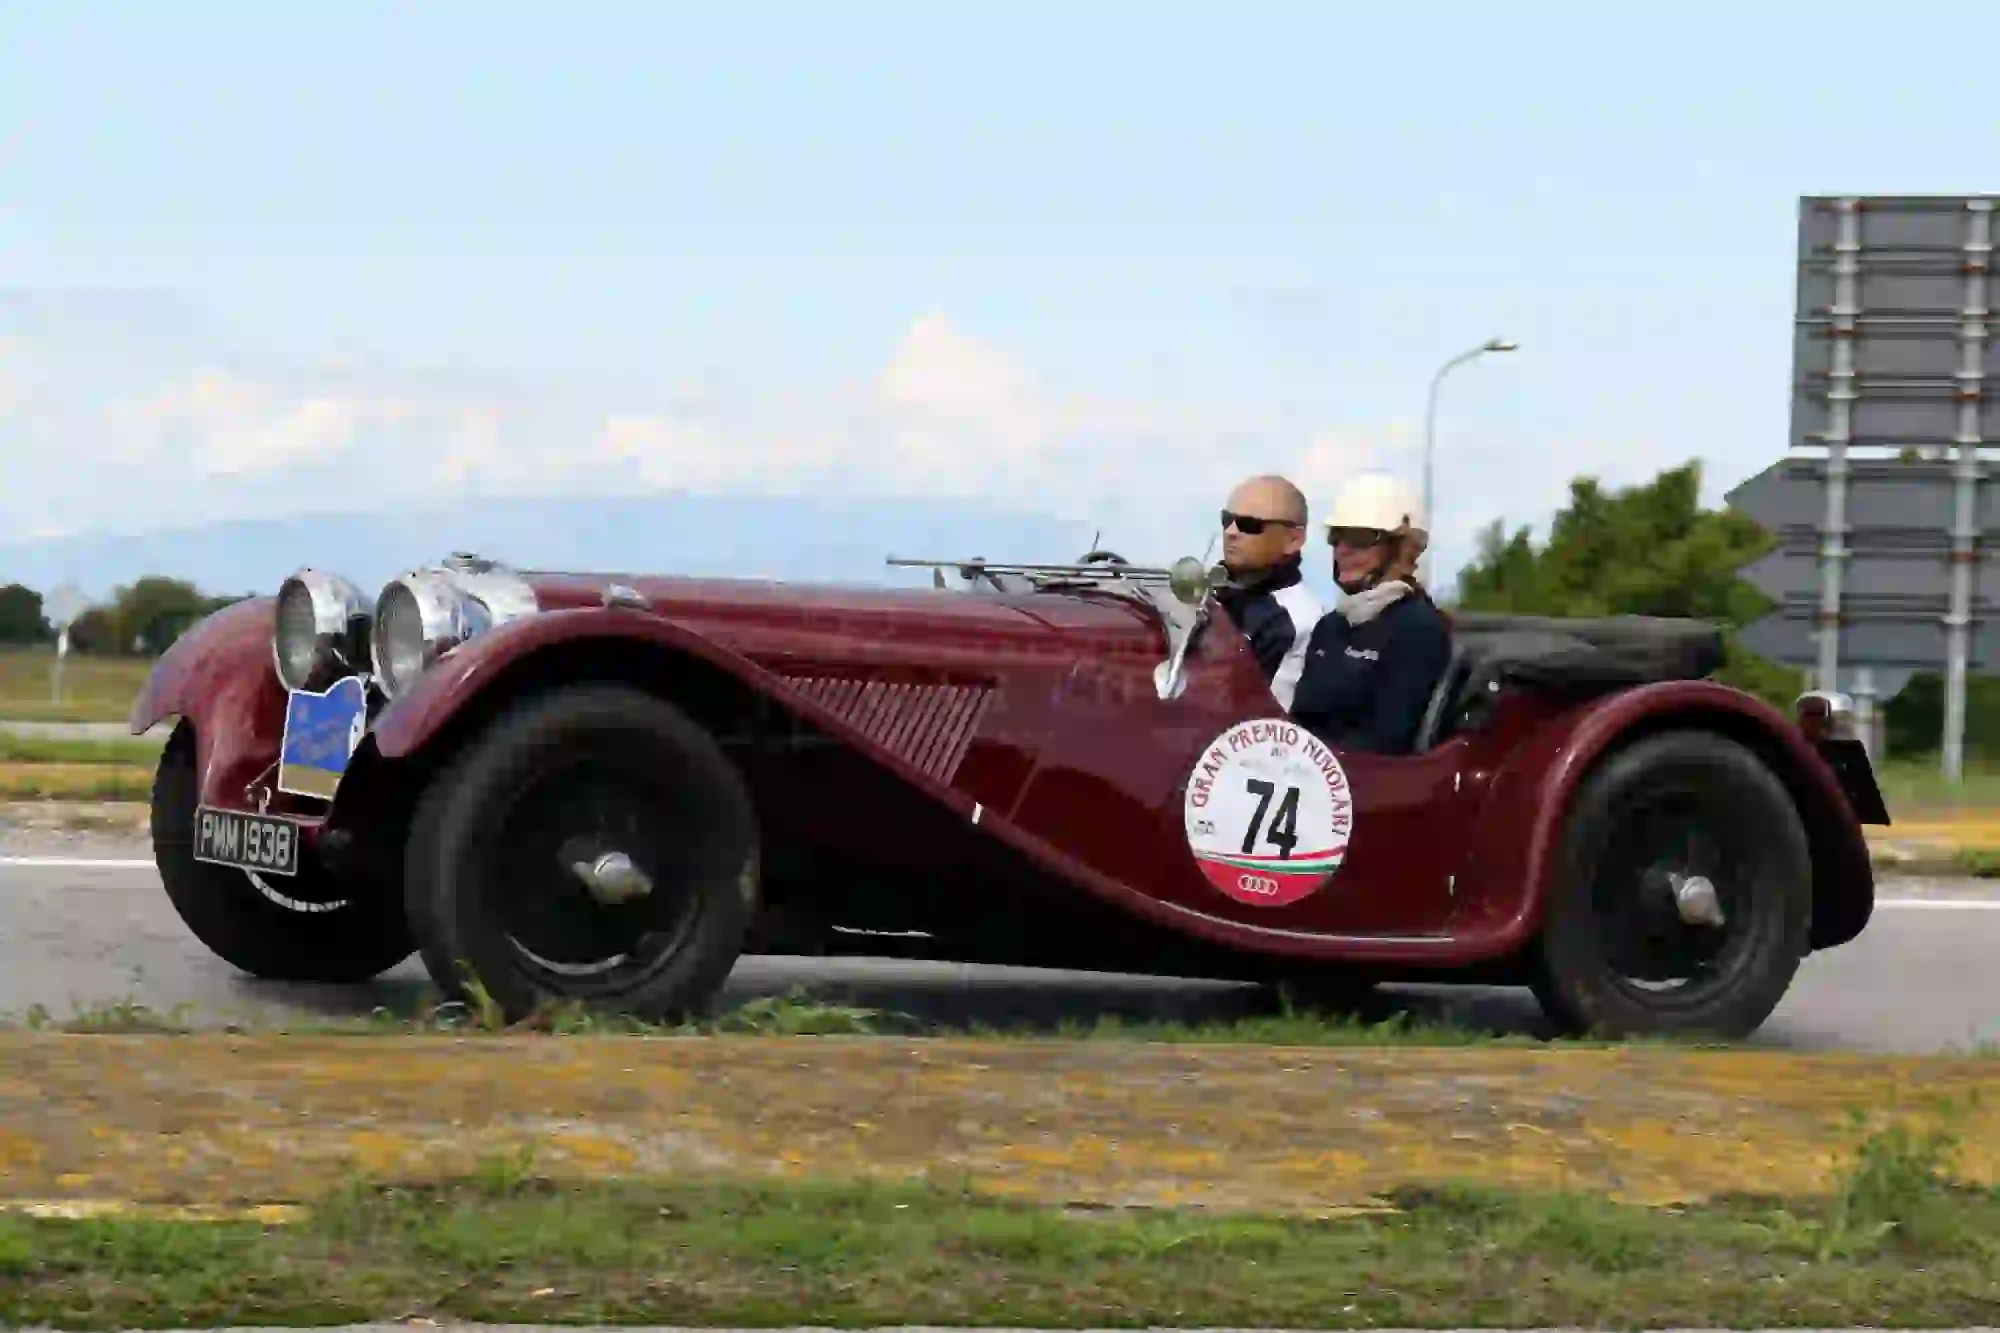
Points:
point(1430, 417)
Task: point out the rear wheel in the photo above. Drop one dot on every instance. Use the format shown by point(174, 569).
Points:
point(306, 927)
point(1681, 901)
point(592, 845)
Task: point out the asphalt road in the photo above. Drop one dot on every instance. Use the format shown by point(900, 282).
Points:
point(84, 924)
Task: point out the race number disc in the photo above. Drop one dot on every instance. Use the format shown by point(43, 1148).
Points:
point(1268, 813)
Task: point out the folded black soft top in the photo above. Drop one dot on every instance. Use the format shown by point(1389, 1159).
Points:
point(1596, 652)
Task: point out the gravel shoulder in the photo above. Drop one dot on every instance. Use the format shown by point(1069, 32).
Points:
point(266, 1117)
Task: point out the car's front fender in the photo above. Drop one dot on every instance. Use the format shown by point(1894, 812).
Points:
point(219, 677)
point(719, 684)
point(213, 656)
point(416, 716)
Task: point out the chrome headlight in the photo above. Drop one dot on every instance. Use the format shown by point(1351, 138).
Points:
point(321, 630)
point(428, 612)
point(418, 619)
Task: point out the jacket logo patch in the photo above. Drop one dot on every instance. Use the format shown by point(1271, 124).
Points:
point(1366, 654)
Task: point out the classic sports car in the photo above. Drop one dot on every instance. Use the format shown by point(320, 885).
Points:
point(609, 787)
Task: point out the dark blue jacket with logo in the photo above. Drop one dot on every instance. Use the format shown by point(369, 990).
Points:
point(1365, 687)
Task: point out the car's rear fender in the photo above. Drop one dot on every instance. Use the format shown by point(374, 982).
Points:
point(1530, 796)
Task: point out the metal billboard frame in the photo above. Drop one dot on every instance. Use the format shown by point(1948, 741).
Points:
point(1874, 395)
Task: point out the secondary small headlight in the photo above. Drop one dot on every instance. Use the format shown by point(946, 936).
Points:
point(321, 630)
point(418, 619)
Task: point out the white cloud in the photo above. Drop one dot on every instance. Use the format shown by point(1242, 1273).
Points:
point(679, 453)
point(1334, 456)
point(224, 424)
point(110, 421)
point(937, 367)
point(473, 447)
point(949, 417)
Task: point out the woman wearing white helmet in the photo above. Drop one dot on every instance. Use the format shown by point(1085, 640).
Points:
point(1375, 658)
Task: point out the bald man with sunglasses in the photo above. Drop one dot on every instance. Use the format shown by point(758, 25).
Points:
point(1263, 538)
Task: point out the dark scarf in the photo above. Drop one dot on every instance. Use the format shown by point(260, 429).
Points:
point(1281, 575)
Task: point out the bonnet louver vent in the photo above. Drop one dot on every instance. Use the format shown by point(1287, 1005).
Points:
point(928, 726)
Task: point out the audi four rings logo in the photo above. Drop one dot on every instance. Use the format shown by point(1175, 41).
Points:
point(1258, 884)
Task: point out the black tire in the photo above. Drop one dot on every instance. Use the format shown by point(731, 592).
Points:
point(535, 793)
point(1611, 920)
point(329, 933)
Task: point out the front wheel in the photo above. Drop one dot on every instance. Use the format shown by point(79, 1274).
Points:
point(592, 845)
point(1681, 898)
point(304, 928)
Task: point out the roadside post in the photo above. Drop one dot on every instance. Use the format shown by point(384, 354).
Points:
point(61, 608)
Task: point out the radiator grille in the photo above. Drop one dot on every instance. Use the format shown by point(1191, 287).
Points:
point(928, 726)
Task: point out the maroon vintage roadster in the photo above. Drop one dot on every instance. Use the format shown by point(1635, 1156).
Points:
point(607, 788)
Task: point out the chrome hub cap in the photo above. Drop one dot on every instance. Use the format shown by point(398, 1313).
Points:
point(1697, 900)
point(612, 878)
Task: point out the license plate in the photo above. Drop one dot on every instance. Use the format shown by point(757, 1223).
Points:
point(321, 731)
point(246, 842)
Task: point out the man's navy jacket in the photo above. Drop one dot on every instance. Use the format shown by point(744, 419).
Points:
point(1277, 615)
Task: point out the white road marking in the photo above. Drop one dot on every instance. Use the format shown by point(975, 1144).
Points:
point(141, 863)
point(1958, 904)
point(75, 863)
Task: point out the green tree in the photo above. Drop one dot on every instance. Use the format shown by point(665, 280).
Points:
point(143, 618)
point(1914, 720)
point(155, 611)
point(21, 619)
point(95, 633)
point(1649, 550)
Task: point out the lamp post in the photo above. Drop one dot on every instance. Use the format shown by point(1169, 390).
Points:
point(1430, 418)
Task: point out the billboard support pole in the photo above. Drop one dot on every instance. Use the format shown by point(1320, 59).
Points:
point(1840, 429)
point(1964, 529)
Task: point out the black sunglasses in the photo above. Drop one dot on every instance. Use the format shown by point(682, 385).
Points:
point(1359, 538)
point(1252, 526)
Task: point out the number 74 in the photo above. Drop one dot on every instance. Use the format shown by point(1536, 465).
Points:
point(1283, 833)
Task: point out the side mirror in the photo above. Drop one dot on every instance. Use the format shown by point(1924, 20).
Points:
point(1192, 582)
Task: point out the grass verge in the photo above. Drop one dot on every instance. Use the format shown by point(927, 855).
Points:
point(1979, 862)
point(801, 1013)
point(37, 768)
point(1894, 1243)
point(94, 689)
point(139, 752)
point(75, 782)
point(1910, 786)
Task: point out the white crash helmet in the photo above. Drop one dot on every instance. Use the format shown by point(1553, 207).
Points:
point(1379, 501)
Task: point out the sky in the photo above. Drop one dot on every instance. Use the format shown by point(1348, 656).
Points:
point(1024, 263)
